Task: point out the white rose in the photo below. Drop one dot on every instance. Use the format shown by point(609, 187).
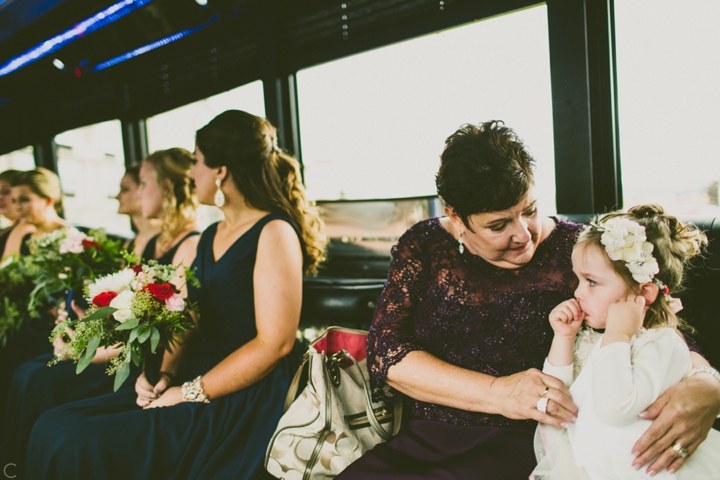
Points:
point(123, 302)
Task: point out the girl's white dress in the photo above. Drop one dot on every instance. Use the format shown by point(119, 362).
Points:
point(611, 386)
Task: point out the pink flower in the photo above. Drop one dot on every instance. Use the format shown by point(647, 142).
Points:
point(73, 242)
point(175, 303)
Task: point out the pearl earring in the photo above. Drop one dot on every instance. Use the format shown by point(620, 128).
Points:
point(219, 195)
point(461, 247)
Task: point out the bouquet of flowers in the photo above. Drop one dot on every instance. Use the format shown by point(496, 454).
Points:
point(66, 260)
point(16, 274)
point(137, 310)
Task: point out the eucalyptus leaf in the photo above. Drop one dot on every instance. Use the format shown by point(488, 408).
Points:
point(121, 376)
point(128, 324)
point(133, 335)
point(146, 332)
point(101, 312)
point(88, 354)
point(135, 355)
point(154, 339)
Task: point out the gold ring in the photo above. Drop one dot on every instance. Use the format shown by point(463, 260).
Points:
point(545, 392)
point(681, 452)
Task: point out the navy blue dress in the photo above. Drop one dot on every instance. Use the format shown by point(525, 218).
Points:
point(111, 437)
point(35, 388)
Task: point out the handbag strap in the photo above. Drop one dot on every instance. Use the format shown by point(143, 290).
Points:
point(294, 385)
point(386, 435)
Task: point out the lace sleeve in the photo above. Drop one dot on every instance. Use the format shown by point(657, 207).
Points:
point(391, 333)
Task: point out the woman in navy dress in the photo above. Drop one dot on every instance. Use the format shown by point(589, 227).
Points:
point(236, 368)
point(8, 209)
point(36, 388)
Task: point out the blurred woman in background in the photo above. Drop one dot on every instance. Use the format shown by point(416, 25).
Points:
point(9, 210)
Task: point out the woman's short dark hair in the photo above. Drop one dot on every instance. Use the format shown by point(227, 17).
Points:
point(484, 168)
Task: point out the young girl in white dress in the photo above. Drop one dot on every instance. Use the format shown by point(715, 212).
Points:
point(627, 264)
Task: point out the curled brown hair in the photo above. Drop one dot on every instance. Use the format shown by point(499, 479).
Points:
point(268, 178)
point(43, 183)
point(484, 168)
point(674, 244)
point(179, 201)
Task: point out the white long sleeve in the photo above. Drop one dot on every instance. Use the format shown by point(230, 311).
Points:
point(626, 380)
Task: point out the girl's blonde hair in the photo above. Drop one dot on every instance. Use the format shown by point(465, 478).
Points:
point(179, 201)
point(43, 183)
point(267, 177)
point(674, 244)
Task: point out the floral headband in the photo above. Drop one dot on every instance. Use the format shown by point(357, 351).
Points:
point(625, 240)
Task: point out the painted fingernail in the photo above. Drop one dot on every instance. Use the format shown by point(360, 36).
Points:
point(643, 414)
point(635, 454)
point(636, 467)
point(153, 396)
point(574, 419)
point(563, 425)
point(652, 473)
point(671, 471)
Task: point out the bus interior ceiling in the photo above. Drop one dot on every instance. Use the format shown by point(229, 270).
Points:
point(188, 50)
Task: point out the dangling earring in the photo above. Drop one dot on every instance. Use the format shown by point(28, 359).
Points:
point(461, 247)
point(219, 195)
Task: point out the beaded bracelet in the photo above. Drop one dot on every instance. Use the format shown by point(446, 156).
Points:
point(193, 391)
point(709, 370)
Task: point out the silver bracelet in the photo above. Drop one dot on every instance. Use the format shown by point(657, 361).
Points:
point(709, 370)
point(193, 391)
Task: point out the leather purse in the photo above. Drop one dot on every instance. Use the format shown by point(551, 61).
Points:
point(334, 420)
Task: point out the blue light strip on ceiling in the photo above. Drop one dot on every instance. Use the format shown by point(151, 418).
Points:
point(150, 46)
point(97, 21)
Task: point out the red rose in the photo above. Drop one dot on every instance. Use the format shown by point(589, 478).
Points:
point(136, 268)
point(161, 291)
point(104, 299)
point(89, 243)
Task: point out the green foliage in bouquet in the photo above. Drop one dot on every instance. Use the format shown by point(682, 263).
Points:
point(16, 283)
point(137, 310)
point(67, 259)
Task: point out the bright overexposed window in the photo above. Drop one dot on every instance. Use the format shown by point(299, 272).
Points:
point(91, 164)
point(373, 125)
point(176, 128)
point(668, 69)
point(22, 159)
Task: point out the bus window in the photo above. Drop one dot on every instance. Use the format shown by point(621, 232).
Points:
point(374, 124)
point(91, 164)
point(668, 69)
point(176, 128)
point(22, 159)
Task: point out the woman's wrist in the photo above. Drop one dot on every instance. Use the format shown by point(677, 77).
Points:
point(170, 376)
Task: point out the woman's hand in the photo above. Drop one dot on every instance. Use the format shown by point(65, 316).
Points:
point(59, 344)
point(566, 319)
point(148, 393)
point(172, 396)
point(517, 396)
point(684, 414)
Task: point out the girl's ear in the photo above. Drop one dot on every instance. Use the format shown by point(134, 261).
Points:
point(649, 291)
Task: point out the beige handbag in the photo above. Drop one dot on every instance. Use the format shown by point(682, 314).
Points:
point(334, 420)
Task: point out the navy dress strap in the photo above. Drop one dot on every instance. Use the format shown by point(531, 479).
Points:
point(167, 257)
point(149, 251)
point(4, 237)
point(25, 244)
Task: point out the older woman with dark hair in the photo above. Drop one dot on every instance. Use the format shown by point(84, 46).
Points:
point(461, 328)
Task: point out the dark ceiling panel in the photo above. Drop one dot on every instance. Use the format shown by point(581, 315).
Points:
point(248, 40)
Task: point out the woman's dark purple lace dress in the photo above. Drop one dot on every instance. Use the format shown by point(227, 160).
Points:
point(470, 313)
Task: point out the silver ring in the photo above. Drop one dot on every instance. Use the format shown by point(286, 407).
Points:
point(542, 404)
point(681, 452)
point(545, 392)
